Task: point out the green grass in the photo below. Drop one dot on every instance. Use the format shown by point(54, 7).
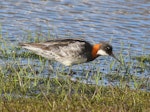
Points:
point(24, 89)
point(143, 58)
point(59, 95)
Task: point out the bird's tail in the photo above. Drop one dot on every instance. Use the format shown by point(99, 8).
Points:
point(23, 44)
point(29, 46)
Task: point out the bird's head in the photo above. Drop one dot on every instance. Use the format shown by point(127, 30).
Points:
point(103, 49)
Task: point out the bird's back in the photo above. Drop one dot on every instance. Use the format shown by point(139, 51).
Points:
point(66, 51)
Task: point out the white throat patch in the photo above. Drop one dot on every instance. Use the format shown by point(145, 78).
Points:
point(102, 52)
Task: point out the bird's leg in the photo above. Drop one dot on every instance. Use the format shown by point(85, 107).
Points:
point(50, 66)
point(70, 71)
point(70, 74)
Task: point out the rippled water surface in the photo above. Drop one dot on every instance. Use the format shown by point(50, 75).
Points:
point(126, 23)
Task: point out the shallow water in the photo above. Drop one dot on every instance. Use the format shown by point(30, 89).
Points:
point(124, 23)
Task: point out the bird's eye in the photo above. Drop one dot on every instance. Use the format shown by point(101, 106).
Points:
point(107, 48)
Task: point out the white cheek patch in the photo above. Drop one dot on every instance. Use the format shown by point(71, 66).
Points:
point(102, 52)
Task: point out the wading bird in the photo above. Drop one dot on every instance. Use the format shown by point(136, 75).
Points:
point(70, 51)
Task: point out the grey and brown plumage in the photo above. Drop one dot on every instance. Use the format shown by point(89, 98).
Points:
point(69, 51)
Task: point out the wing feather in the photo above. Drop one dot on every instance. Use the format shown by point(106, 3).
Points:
point(66, 51)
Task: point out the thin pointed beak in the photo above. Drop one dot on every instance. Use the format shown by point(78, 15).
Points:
point(112, 55)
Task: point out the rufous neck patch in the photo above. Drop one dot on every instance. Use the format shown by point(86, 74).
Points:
point(95, 48)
